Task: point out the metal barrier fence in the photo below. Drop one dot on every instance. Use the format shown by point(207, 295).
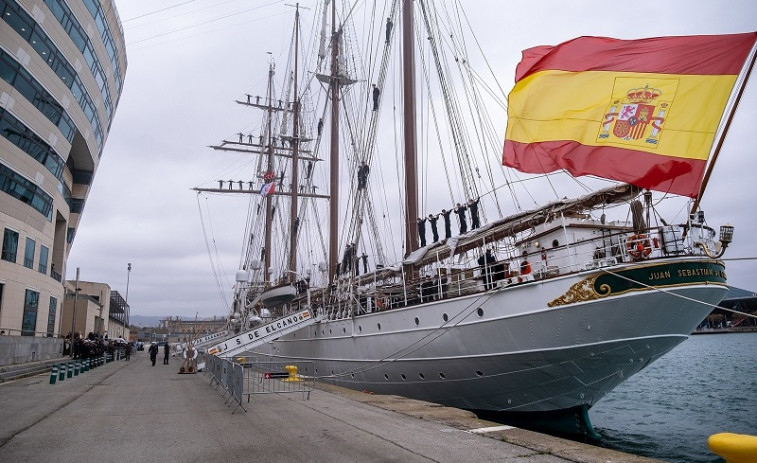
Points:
point(246, 376)
point(276, 378)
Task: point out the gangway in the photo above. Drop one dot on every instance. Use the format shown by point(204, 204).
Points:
point(203, 340)
point(264, 333)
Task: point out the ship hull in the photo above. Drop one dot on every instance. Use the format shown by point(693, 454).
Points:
point(542, 346)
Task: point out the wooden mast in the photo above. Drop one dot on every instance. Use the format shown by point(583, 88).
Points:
point(294, 219)
point(408, 85)
point(268, 200)
point(334, 155)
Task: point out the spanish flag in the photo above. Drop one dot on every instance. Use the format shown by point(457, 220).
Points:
point(643, 112)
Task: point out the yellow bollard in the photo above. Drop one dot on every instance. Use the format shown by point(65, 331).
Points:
point(735, 448)
point(292, 373)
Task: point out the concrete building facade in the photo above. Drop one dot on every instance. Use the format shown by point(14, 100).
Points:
point(62, 68)
point(97, 309)
point(176, 329)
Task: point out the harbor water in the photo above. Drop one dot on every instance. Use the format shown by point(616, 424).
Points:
point(706, 385)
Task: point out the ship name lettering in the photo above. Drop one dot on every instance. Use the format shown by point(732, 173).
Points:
point(695, 272)
point(659, 275)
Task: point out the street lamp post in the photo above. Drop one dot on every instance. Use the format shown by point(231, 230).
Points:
point(73, 320)
point(126, 302)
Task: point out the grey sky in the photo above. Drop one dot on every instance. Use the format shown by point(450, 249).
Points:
point(189, 63)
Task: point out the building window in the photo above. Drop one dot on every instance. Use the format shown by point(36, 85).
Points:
point(29, 322)
point(32, 90)
point(10, 245)
point(31, 246)
point(76, 205)
point(24, 190)
point(48, 51)
point(44, 251)
point(51, 316)
point(16, 132)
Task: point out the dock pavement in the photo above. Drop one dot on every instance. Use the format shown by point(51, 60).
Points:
point(135, 412)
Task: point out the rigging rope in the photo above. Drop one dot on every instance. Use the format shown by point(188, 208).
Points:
point(213, 265)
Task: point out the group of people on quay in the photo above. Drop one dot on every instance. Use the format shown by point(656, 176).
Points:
point(153, 350)
point(93, 346)
point(460, 210)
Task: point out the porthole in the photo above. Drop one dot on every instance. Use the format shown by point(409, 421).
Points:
point(403, 377)
point(386, 377)
point(442, 376)
point(480, 312)
point(360, 328)
point(445, 317)
point(379, 326)
point(479, 373)
point(344, 329)
point(555, 243)
point(332, 372)
point(329, 331)
point(420, 375)
point(352, 375)
point(417, 322)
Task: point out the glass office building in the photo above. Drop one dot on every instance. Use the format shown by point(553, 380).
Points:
point(62, 68)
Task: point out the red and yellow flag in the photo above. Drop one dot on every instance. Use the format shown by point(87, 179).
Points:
point(643, 112)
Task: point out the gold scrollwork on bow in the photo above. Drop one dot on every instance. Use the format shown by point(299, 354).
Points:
point(582, 291)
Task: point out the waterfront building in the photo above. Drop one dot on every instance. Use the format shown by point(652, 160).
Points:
point(176, 329)
point(62, 68)
point(97, 309)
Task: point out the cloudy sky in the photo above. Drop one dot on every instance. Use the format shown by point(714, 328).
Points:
point(189, 61)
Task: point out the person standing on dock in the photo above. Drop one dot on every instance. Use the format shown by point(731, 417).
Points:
point(153, 353)
point(166, 349)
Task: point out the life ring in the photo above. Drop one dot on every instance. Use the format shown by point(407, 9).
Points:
point(638, 246)
point(194, 353)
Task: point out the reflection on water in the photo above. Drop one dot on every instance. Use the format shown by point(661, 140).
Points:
point(706, 385)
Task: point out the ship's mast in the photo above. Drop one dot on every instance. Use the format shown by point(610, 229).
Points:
point(270, 165)
point(334, 155)
point(294, 221)
point(408, 82)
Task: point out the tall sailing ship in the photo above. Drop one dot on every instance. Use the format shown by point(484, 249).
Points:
point(542, 310)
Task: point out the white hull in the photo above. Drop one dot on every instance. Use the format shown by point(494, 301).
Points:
point(507, 349)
